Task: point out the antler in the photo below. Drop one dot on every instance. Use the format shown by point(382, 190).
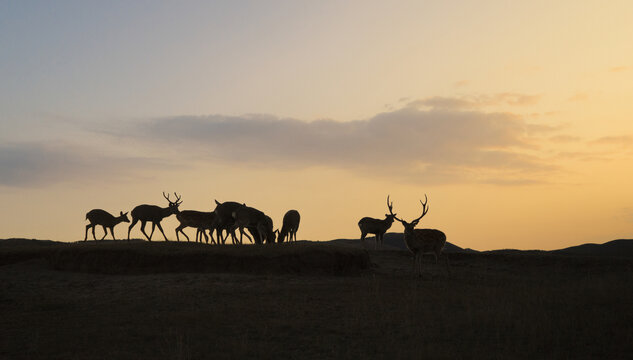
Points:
point(390, 206)
point(166, 196)
point(425, 209)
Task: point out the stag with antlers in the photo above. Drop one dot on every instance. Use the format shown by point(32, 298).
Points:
point(377, 227)
point(154, 214)
point(421, 241)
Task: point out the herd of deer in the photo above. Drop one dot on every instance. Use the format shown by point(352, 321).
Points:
point(227, 217)
point(231, 216)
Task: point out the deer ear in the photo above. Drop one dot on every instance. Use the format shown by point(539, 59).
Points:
point(121, 212)
point(217, 202)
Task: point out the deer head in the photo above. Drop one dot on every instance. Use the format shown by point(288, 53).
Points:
point(409, 226)
point(173, 205)
point(123, 217)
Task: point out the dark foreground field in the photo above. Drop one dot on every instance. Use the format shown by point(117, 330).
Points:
point(306, 301)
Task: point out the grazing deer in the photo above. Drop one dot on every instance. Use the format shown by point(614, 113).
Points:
point(154, 214)
point(258, 224)
point(224, 219)
point(105, 219)
point(196, 219)
point(377, 227)
point(422, 241)
point(290, 226)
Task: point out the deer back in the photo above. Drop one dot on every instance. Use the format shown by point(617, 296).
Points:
point(150, 212)
point(291, 221)
point(372, 226)
point(428, 240)
point(100, 217)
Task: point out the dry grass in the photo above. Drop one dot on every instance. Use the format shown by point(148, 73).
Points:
point(490, 306)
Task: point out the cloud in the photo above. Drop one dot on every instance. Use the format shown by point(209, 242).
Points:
point(38, 164)
point(461, 83)
point(421, 146)
point(622, 141)
point(616, 69)
point(475, 101)
point(565, 139)
point(579, 97)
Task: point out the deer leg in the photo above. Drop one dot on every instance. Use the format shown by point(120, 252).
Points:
point(134, 221)
point(143, 223)
point(105, 232)
point(86, 236)
point(112, 231)
point(246, 234)
point(179, 229)
point(93, 232)
point(152, 233)
point(206, 238)
point(165, 236)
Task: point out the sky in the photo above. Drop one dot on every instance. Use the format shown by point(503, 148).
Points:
point(514, 118)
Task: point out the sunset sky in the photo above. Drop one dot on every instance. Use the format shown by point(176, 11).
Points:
point(515, 118)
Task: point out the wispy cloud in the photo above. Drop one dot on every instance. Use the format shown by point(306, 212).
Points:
point(617, 69)
point(38, 164)
point(580, 96)
point(423, 146)
point(475, 101)
point(622, 141)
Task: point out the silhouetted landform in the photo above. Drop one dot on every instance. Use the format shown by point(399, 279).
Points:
point(139, 257)
point(395, 241)
point(197, 301)
point(614, 248)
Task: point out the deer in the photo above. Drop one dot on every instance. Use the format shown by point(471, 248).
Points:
point(377, 227)
point(290, 226)
point(421, 241)
point(105, 219)
point(196, 219)
point(258, 224)
point(154, 214)
point(224, 219)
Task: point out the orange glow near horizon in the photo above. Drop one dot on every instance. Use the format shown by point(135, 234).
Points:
point(514, 119)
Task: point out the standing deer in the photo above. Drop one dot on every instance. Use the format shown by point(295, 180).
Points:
point(258, 224)
point(290, 226)
point(154, 214)
point(105, 219)
point(422, 241)
point(224, 219)
point(196, 219)
point(377, 227)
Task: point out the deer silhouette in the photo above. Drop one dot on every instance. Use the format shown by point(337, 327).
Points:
point(289, 226)
point(224, 219)
point(377, 227)
point(196, 219)
point(105, 219)
point(422, 241)
point(154, 214)
point(258, 224)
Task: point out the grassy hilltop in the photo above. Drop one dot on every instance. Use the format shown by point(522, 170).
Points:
point(306, 300)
